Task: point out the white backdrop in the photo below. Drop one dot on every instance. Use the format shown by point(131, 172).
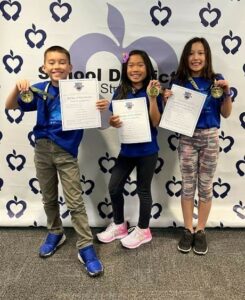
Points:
point(97, 32)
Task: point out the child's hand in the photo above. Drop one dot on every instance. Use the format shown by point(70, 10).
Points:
point(223, 84)
point(102, 104)
point(23, 85)
point(114, 121)
point(166, 94)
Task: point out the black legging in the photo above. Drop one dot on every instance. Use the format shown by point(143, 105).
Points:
point(145, 167)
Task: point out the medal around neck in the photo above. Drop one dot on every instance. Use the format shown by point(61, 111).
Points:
point(216, 92)
point(153, 91)
point(27, 96)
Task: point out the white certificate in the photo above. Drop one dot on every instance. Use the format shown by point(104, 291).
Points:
point(182, 110)
point(134, 116)
point(78, 104)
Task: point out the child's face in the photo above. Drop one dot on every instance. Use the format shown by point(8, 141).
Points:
point(196, 59)
point(56, 66)
point(136, 70)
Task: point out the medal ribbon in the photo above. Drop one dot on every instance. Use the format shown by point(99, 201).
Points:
point(40, 92)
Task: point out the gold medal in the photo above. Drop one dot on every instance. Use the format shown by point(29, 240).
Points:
point(153, 91)
point(216, 92)
point(27, 96)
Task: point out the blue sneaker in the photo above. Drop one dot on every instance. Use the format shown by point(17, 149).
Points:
point(52, 242)
point(88, 257)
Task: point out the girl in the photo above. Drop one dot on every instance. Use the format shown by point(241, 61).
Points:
point(137, 80)
point(198, 155)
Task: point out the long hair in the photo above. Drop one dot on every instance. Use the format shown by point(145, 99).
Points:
point(60, 50)
point(183, 71)
point(125, 85)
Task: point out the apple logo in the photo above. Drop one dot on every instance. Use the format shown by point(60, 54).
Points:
point(239, 209)
point(215, 12)
point(55, 9)
point(227, 142)
point(173, 187)
point(129, 184)
point(164, 11)
point(66, 213)
point(87, 185)
point(40, 35)
point(12, 62)
point(16, 208)
point(1, 183)
point(221, 189)
point(156, 210)
point(160, 163)
point(16, 161)
point(10, 10)
point(14, 115)
point(31, 138)
point(89, 44)
point(235, 40)
point(173, 141)
point(242, 119)
point(195, 215)
point(239, 165)
point(103, 209)
point(106, 163)
point(34, 185)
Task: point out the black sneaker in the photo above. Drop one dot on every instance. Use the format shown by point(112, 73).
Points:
point(185, 244)
point(200, 243)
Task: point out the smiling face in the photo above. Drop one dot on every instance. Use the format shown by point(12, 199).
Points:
point(56, 66)
point(136, 70)
point(197, 59)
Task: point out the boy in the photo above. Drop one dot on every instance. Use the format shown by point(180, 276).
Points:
point(56, 153)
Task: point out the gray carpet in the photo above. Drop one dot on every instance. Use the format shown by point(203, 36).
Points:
point(153, 271)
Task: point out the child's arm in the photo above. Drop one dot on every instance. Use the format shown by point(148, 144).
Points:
point(21, 86)
point(154, 113)
point(226, 105)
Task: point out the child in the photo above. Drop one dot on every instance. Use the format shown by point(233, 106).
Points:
point(198, 155)
point(56, 153)
point(136, 81)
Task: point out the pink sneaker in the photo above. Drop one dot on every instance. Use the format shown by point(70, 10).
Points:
point(113, 232)
point(136, 238)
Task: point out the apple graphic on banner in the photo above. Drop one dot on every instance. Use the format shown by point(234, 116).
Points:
point(14, 115)
point(243, 68)
point(233, 93)
point(16, 161)
point(34, 185)
point(239, 209)
point(31, 138)
point(106, 163)
point(160, 163)
point(165, 12)
point(103, 209)
point(239, 165)
point(12, 62)
point(87, 185)
point(242, 119)
point(173, 187)
point(156, 210)
point(34, 33)
point(129, 184)
point(1, 183)
point(6, 6)
point(173, 141)
point(67, 7)
point(67, 211)
point(227, 142)
point(236, 40)
point(1, 135)
point(221, 189)
point(89, 44)
point(16, 208)
point(215, 12)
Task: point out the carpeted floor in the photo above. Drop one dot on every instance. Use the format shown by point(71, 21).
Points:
point(153, 271)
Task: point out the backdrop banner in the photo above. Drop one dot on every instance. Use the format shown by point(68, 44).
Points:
point(97, 33)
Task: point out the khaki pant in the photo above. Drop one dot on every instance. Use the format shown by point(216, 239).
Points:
point(51, 161)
